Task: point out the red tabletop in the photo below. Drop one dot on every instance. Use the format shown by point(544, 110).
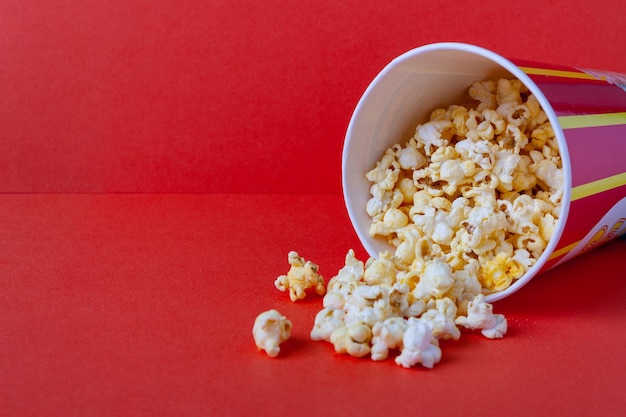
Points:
point(159, 159)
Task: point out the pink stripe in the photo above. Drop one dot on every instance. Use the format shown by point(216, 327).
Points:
point(596, 152)
point(573, 96)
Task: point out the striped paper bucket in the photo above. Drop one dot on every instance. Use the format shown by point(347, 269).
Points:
point(590, 106)
point(587, 109)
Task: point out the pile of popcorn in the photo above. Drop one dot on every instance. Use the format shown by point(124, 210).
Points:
point(469, 204)
point(367, 310)
point(479, 189)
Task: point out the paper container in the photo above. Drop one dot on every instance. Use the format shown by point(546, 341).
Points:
point(587, 110)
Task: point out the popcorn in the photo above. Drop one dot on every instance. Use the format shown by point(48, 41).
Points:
point(379, 306)
point(353, 339)
point(441, 318)
point(480, 316)
point(485, 92)
point(326, 322)
point(469, 204)
point(499, 272)
point(270, 330)
point(435, 281)
point(434, 133)
point(380, 270)
point(301, 276)
point(419, 345)
point(387, 335)
point(483, 183)
point(410, 158)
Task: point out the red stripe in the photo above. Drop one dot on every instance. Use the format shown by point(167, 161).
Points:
point(571, 96)
point(543, 65)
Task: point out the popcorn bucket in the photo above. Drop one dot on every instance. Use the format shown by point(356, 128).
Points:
point(587, 110)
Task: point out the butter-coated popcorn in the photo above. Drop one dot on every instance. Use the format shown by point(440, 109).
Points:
point(490, 181)
point(380, 270)
point(500, 271)
point(508, 91)
point(302, 275)
point(387, 169)
point(495, 119)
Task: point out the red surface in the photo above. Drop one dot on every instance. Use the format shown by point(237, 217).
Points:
point(158, 160)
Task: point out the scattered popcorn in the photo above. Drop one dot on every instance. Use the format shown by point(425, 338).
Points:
point(419, 345)
point(270, 330)
point(376, 307)
point(480, 316)
point(301, 276)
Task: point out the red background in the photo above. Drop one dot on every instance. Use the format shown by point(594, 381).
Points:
point(158, 160)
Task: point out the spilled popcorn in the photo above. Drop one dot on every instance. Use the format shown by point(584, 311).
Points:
point(270, 330)
point(373, 309)
point(301, 276)
point(469, 204)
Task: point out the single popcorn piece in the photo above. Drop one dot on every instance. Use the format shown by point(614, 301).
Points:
point(367, 304)
point(380, 270)
point(387, 335)
point(353, 339)
point(326, 322)
point(419, 346)
point(480, 316)
point(499, 272)
point(436, 280)
point(270, 330)
point(301, 276)
point(485, 92)
point(441, 319)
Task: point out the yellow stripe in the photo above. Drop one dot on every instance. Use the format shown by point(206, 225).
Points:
point(592, 120)
point(586, 190)
point(563, 250)
point(558, 73)
point(595, 187)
